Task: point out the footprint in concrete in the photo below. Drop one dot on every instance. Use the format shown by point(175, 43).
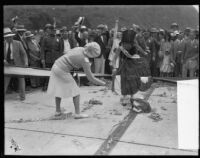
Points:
point(163, 108)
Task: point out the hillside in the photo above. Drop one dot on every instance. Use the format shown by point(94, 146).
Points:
point(35, 17)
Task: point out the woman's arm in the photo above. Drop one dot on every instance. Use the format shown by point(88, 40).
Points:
point(90, 76)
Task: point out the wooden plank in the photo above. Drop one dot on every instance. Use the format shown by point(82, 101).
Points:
point(173, 79)
point(32, 71)
point(115, 136)
point(22, 71)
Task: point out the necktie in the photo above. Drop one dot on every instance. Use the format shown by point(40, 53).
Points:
point(8, 54)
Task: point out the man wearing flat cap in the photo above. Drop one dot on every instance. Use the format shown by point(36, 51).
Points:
point(14, 54)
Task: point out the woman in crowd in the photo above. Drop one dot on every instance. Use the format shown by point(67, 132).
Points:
point(167, 64)
point(133, 69)
point(62, 85)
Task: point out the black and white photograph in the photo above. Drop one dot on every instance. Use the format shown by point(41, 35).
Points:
point(101, 79)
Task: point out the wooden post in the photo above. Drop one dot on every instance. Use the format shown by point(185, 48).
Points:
point(114, 38)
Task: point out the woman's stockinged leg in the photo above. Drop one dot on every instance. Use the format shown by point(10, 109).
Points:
point(58, 101)
point(76, 101)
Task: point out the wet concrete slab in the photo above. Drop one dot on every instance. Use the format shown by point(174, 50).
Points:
point(163, 132)
point(135, 149)
point(36, 143)
point(29, 122)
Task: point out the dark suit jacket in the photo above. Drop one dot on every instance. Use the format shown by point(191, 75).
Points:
point(81, 42)
point(18, 38)
point(102, 45)
point(50, 49)
point(19, 54)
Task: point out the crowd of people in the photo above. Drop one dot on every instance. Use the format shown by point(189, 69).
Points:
point(169, 53)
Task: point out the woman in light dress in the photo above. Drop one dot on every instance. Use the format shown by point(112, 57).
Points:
point(61, 83)
point(167, 64)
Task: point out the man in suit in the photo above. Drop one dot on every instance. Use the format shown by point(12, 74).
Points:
point(14, 54)
point(190, 55)
point(66, 42)
point(20, 30)
point(81, 36)
point(50, 51)
point(99, 62)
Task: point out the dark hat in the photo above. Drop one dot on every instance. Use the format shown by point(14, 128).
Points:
point(128, 36)
point(187, 30)
point(153, 30)
point(52, 27)
point(28, 34)
point(92, 34)
point(20, 28)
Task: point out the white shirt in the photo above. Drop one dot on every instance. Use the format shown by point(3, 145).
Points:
point(11, 48)
point(67, 46)
point(102, 38)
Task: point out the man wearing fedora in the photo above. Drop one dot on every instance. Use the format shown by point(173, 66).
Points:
point(14, 54)
point(34, 52)
point(20, 30)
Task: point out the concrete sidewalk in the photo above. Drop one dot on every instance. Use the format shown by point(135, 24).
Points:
point(28, 124)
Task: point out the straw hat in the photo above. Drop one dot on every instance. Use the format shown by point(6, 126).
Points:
point(92, 50)
point(176, 32)
point(101, 26)
point(7, 32)
point(28, 34)
point(174, 24)
point(47, 26)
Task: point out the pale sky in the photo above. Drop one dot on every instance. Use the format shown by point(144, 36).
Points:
point(196, 7)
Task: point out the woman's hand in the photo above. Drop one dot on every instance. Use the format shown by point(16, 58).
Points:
point(144, 79)
point(114, 72)
point(5, 62)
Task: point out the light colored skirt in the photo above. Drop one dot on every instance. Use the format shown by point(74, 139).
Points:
point(61, 84)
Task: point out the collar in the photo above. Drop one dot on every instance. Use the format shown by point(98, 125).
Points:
point(125, 52)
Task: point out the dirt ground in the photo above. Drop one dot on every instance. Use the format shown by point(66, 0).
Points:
point(30, 129)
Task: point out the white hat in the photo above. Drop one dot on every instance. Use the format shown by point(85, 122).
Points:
point(7, 32)
point(176, 32)
point(92, 50)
